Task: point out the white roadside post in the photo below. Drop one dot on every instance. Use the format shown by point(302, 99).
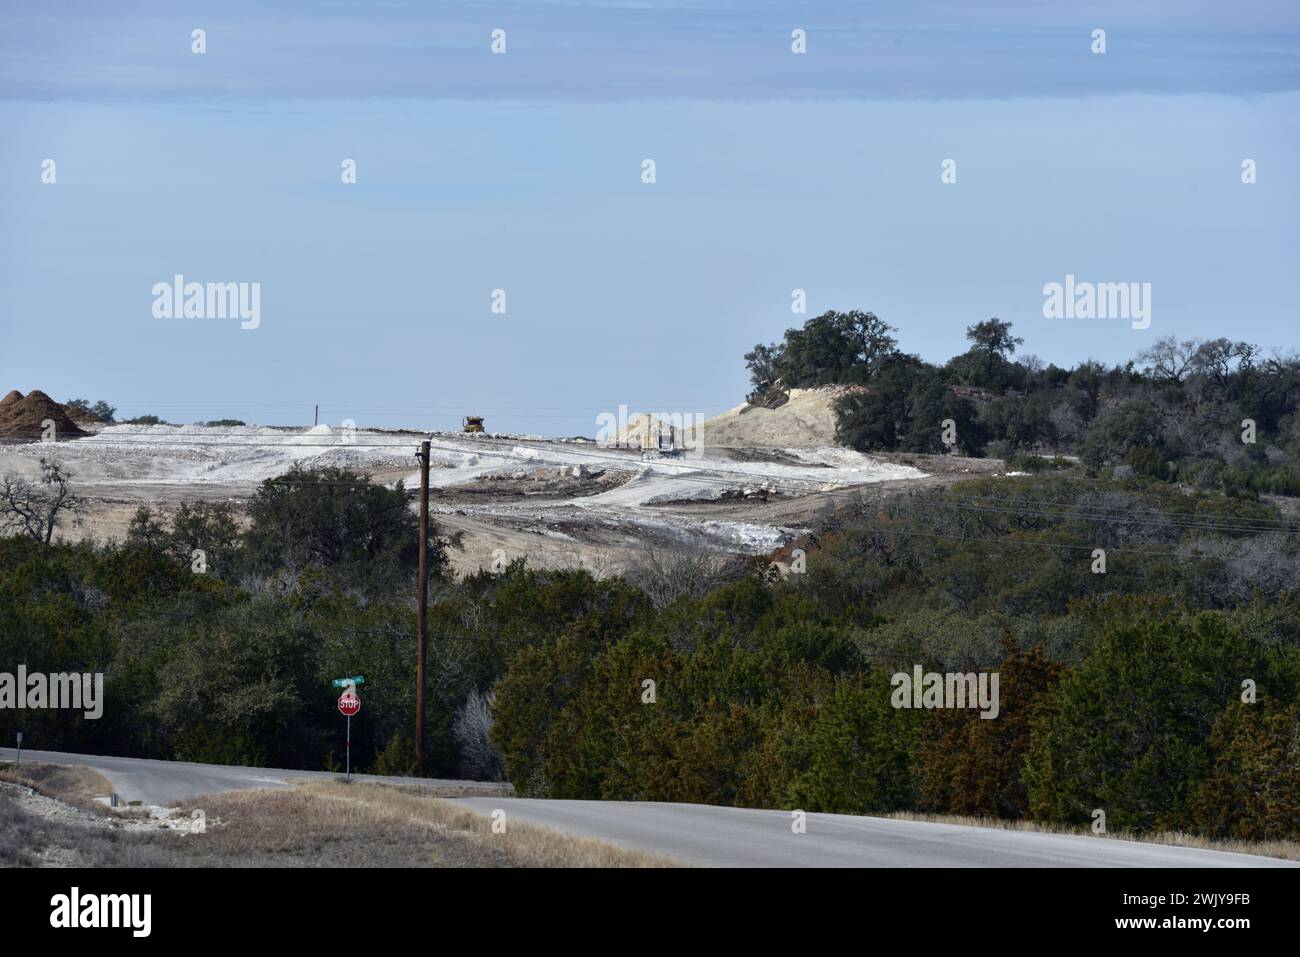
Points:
point(19, 759)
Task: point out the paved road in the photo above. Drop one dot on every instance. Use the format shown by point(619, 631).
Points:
point(165, 782)
point(742, 837)
point(700, 834)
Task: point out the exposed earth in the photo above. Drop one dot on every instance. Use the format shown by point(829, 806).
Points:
point(556, 502)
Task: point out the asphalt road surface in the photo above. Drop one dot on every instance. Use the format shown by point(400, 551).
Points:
point(743, 837)
point(700, 834)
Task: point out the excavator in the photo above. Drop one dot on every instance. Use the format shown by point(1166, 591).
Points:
point(472, 423)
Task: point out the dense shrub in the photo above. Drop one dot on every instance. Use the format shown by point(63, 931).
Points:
point(1252, 791)
point(1120, 691)
point(1179, 412)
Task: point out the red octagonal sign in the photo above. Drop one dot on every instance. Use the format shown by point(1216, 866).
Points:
point(349, 703)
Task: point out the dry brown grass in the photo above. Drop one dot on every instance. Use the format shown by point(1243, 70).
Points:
point(313, 824)
point(328, 823)
point(70, 784)
point(483, 789)
point(1287, 850)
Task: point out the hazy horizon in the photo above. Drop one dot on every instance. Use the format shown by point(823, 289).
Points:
point(522, 172)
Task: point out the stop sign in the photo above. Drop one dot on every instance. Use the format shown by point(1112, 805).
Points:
point(349, 703)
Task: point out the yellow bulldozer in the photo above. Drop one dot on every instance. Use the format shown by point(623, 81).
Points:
point(472, 423)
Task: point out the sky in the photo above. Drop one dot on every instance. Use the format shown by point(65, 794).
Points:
point(523, 172)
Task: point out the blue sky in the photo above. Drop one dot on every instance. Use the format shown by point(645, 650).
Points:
point(522, 172)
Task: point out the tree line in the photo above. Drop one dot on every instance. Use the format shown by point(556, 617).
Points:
point(1210, 413)
point(1163, 690)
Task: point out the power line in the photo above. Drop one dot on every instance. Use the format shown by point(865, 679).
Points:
point(1075, 506)
point(670, 467)
point(1126, 519)
point(538, 642)
point(725, 478)
point(475, 446)
point(1109, 550)
point(764, 478)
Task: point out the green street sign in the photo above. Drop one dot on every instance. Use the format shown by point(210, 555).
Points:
point(358, 680)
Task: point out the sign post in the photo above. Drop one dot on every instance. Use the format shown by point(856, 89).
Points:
point(20, 749)
point(349, 704)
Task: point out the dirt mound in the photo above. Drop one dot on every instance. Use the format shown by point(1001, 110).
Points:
point(651, 430)
point(807, 420)
point(23, 418)
point(82, 416)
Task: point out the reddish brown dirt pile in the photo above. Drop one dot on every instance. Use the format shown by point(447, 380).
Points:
point(22, 417)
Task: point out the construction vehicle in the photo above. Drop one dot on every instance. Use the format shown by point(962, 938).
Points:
point(769, 395)
point(472, 423)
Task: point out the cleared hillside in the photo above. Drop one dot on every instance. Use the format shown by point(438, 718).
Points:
point(806, 421)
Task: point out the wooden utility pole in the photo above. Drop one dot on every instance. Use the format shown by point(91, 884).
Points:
point(423, 607)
